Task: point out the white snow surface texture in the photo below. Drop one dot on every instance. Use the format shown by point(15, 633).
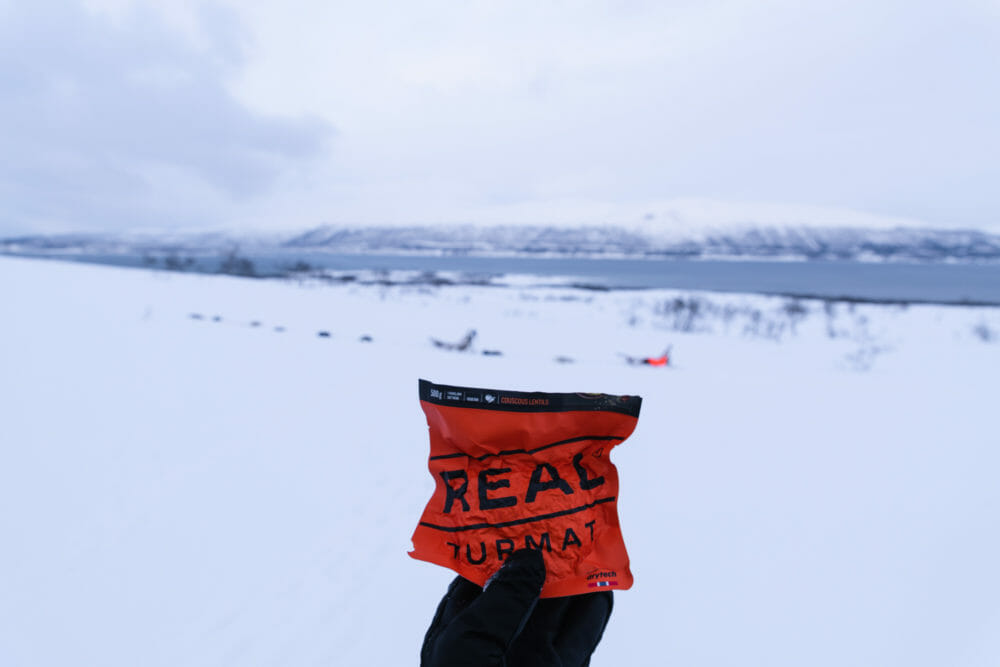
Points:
point(809, 484)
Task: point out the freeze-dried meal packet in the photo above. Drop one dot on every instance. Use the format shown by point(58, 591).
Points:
point(517, 469)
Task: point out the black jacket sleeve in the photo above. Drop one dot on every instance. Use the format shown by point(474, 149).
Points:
point(506, 625)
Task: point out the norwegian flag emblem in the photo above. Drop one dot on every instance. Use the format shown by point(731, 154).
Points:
point(601, 584)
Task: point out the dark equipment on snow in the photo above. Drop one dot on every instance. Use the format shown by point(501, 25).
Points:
point(460, 346)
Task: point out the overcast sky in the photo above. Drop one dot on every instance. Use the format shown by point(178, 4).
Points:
point(169, 114)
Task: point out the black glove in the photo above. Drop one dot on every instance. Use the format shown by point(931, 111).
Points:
point(506, 625)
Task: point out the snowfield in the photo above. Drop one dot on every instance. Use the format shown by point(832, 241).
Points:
point(191, 475)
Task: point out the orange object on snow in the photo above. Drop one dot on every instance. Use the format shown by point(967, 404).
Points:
point(514, 470)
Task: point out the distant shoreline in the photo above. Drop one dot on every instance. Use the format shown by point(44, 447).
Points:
point(960, 284)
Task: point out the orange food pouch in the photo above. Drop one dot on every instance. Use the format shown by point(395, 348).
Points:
point(514, 470)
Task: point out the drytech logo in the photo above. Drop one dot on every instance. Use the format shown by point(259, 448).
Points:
point(602, 579)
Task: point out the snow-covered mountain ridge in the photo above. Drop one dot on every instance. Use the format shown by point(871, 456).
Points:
point(778, 243)
point(799, 243)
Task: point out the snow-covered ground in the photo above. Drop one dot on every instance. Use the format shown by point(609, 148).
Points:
point(809, 483)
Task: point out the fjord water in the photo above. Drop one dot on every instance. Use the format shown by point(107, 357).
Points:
point(943, 283)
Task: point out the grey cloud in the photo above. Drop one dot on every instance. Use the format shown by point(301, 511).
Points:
point(109, 124)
